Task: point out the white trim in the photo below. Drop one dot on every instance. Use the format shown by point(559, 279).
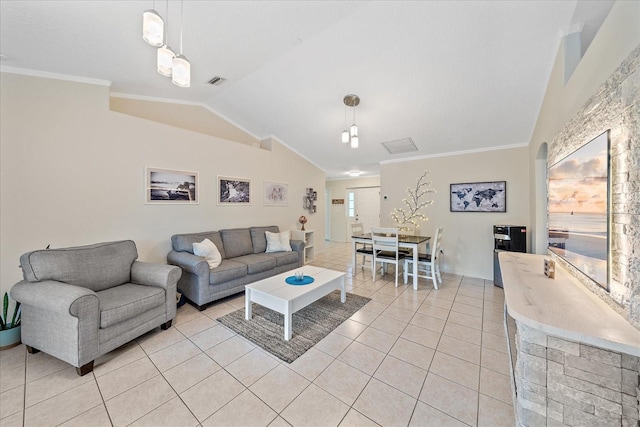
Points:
point(296, 151)
point(48, 75)
point(182, 102)
point(454, 153)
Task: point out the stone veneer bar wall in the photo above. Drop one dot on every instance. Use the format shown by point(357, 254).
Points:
point(566, 383)
point(615, 106)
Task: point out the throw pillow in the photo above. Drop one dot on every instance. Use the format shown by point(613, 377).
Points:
point(278, 242)
point(209, 251)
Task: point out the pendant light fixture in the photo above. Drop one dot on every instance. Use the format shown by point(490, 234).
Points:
point(165, 54)
point(345, 132)
point(181, 66)
point(352, 135)
point(152, 27)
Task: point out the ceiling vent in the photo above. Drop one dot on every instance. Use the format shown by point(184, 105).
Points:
point(217, 81)
point(404, 145)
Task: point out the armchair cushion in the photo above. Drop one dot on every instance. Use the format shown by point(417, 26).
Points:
point(128, 301)
point(96, 267)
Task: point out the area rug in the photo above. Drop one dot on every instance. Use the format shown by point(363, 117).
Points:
point(310, 325)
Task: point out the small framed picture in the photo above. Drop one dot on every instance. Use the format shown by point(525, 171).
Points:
point(276, 194)
point(234, 191)
point(170, 186)
point(479, 197)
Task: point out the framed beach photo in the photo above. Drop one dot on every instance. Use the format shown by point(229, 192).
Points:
point(234, 191)
point(479, 197)
point(275, 194)
point(170, 186)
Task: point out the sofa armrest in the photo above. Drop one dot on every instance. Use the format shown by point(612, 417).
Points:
point(147, 273)
point(189, 262)
point(298, 246)
point(51, 295)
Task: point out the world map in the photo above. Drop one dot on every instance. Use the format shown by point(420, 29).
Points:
point(478, 197)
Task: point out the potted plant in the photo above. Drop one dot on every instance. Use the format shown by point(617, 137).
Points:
point(9, 330)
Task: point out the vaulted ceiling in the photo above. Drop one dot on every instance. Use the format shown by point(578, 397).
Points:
point(451, 75)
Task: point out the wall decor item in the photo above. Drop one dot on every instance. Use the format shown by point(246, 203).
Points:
point(309, 200)
point(479, 197)
point(337, 201)
point(275, 194)
point(414, 204)
point(170, 186)
point(578, 192)
point(234, 191)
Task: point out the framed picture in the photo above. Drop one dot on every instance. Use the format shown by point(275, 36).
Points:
point(275, 194)
point(479, 197)
point(170, 186)
point(234, 191)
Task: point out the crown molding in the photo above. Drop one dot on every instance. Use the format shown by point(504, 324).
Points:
point(455, 153)
point(55, 76)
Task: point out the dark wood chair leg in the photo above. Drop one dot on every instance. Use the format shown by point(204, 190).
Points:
point(85, 369)
point(31, 350)
point(166, 325)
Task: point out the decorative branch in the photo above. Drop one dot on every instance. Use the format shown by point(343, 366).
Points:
point(415, 203)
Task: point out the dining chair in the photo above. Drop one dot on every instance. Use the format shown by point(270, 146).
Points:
point(364, 249)
point(386, 250)
point(407, 230)
point(428, 264)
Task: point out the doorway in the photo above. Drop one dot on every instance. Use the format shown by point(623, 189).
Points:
point(364, 207)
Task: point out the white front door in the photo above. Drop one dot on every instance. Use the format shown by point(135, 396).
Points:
point(367, 207)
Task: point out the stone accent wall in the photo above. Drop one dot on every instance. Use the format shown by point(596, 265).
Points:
point(566, 383)
point(615, 106)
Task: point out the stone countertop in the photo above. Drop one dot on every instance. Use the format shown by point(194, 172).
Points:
point(562, 306)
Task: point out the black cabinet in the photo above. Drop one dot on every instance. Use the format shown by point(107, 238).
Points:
point(509, 238)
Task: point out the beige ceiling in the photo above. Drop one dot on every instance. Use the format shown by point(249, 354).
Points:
point(452, 75)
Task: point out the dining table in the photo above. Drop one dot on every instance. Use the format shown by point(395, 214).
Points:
point(404, 241)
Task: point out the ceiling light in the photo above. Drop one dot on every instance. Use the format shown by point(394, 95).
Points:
point(354, 173)
point(165, 60)
point(181, 65)
point(351, 135)
point(152, 27)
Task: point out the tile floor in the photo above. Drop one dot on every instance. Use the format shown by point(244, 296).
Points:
point(425, 358)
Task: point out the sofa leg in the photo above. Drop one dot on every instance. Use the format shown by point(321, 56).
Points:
point(166, 325)
point(85, 369)
point(201, 307)
point(31, 350)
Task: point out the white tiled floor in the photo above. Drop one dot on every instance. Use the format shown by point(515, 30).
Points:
point(408, 358)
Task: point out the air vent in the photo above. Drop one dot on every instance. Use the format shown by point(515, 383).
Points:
point(404, 145)
point(217, 81)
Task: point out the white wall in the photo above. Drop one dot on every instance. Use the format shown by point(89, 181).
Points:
point(73, 174)
point(338, 190)
point(468, 237)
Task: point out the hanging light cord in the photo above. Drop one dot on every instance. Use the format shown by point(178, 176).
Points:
point(181, 20)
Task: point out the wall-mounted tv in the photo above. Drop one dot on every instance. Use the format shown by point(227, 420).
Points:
point(579, 203)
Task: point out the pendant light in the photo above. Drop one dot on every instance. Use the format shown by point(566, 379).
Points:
point(345, 132)
point(181, 66)
point(165, 54)
point(352, 135)
point(152, 27)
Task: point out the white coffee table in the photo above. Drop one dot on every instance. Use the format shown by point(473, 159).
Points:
point(274, 293)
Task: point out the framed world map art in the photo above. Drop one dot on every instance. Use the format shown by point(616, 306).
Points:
point(479, 197)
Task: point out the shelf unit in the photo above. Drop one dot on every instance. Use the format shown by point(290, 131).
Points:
point(308, 237)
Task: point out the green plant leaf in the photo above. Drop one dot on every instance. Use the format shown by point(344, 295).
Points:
point(5, 306)
point(16, 312)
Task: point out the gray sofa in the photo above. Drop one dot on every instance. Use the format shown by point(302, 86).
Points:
point(243, 261)
point(79, 303)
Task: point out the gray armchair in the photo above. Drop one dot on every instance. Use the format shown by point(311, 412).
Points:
point(79, 303)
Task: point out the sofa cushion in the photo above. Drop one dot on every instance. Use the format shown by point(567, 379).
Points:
point(237, 242)
point(127, 301)
point(209, 251)
point(257, 263)
point(259, 239)
point(184, 242)
point(96, 267)
point(285, 258)
point(227, 270)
